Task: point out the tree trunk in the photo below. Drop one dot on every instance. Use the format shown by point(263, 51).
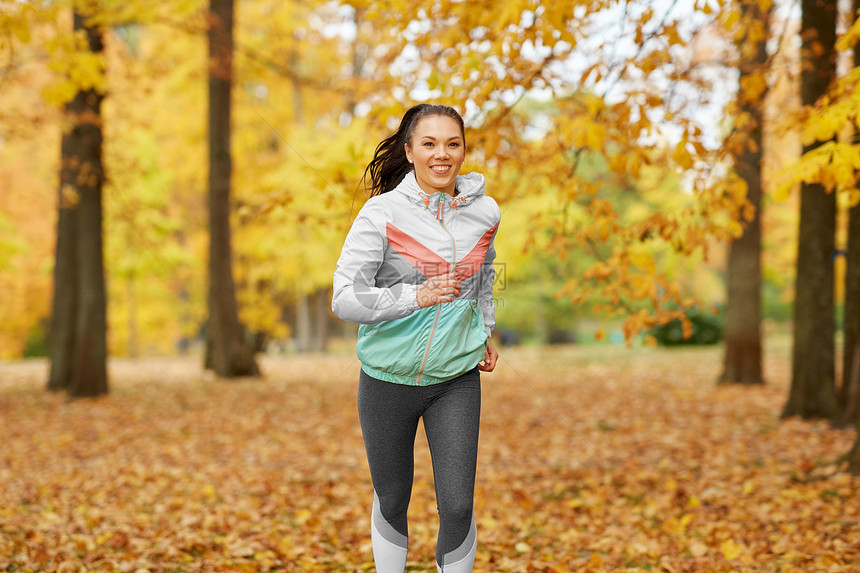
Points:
point(742, 359)
point(79, 323)
point(850, 390)
point(187, 322)
point(853, 456)
point(62, 336)
point(303, 322)
point(812, 391)
point(540, 320)
point(298, 100)
point(89, 373)
point(359, 51)
point(133, 331)
point(226, 351)
point(322, 309)
point(852, 412)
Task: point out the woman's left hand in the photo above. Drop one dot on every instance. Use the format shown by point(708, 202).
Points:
point(490, 358)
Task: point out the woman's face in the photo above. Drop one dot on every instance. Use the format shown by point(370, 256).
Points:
point(437, 151)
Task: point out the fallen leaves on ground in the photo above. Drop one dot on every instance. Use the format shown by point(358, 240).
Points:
point(591, 459)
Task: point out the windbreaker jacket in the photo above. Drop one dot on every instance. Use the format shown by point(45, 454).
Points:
point(398, 240)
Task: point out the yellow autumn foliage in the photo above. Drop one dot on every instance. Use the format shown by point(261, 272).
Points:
point(599, 165)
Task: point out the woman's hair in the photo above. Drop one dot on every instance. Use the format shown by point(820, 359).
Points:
point(389, 164)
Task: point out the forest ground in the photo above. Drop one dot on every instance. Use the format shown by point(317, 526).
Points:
point(592, 458)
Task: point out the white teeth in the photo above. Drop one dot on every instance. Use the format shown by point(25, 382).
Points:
point(441, 169)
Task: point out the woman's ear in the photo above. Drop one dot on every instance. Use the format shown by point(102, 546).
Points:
point(408, 152)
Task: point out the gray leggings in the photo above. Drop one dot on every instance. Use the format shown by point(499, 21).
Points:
point(389, 416)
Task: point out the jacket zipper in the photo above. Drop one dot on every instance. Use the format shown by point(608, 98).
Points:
point(439, 305)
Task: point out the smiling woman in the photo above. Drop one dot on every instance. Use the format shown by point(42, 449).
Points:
point(416, 273)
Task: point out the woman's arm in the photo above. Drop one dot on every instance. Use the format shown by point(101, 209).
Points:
point(488, 303)
point(355, 298)
point(485, 291)
point(488, 278)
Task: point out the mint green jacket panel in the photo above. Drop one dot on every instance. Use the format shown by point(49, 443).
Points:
point(388, 350)
point(462, 342)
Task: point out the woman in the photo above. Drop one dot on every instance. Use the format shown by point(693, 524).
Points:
point(416, 273)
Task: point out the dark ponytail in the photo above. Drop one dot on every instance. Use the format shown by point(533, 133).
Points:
point(390, 165)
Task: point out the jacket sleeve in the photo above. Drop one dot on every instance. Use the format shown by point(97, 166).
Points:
point(488, 278)
point(355, 296)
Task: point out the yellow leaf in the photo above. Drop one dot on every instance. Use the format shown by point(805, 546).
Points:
point(731, 550)
point(510, 14)
point(285, 546)
point(682, 157)
point(783, 191)
point(595, 135)
point(488, 522)
point(642, 286)
point(733, 18)
point(753, 86)
point(618, 163)
point(644, 261)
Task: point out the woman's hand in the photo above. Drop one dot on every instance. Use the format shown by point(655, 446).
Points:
point(444, 288)
point(490, 358)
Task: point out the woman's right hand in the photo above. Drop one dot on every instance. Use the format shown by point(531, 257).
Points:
point(444, 288)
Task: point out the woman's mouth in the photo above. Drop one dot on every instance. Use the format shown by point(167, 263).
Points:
point(441, 169)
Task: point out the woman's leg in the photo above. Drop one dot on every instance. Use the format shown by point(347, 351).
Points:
point(389, 416)
point(451, 420)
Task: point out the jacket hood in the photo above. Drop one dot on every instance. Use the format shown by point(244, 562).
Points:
point(468, 187)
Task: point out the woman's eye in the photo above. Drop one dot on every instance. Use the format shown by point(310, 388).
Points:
point(428, 144)
point(455, 145)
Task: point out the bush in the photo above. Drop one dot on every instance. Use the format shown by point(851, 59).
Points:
point(37, 342)
point(708, 329)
